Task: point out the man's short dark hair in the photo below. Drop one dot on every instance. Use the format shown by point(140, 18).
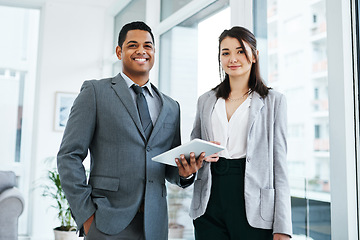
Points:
point(133, 26)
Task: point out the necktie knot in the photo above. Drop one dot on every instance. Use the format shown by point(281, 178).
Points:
point(137, 89)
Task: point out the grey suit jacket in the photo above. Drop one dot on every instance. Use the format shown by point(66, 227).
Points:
point(267, 194)
point(105, 121)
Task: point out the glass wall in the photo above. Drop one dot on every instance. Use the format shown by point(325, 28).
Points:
point(134, 11)
point(191, 45)
point(188, 68)
point(169, 7)
point(295, 63)
point(19, 29)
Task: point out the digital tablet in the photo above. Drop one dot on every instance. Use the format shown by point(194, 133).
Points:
point(196, 146)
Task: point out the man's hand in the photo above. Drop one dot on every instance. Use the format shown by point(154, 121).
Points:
point(279, 236)
point(87, 224)
point(186, 168)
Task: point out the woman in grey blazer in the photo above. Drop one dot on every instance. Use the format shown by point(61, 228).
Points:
point(243, 191)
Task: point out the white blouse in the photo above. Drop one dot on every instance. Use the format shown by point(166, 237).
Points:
point(231, 134)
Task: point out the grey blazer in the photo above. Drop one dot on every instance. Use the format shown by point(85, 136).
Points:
point(267, 194)
point(105, 121)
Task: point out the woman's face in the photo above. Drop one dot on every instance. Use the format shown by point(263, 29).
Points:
point(233, 59)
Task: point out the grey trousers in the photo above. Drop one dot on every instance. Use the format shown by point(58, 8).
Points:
point(135, 231)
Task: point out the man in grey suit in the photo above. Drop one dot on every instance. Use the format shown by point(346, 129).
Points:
point(125, 197)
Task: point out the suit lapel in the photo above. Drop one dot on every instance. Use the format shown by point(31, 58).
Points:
point(208, 109)
point(257, 103)
point(120, 87)
point(163, 112)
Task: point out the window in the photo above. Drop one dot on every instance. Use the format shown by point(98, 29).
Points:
point(191, 45)
point(317, 131)
point(134, 11)
point(188, 68)
point(169, 7)
point(316, 93)
point(296, 65)
point(18, 47)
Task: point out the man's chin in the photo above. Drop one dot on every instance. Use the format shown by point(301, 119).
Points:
point(142, 69)
point(138, 72)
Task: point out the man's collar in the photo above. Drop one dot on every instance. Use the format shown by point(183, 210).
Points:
point(130, 82)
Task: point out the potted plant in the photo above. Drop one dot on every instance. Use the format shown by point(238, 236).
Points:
point(53, 190)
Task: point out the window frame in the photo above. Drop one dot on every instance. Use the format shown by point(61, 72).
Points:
point(344, 207)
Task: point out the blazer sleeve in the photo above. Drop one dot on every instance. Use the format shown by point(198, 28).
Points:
point(73, 150)
point(282, 217)
point(172, 173)
point(196, 131)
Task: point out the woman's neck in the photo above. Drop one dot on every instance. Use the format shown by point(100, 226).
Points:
point(238, 86)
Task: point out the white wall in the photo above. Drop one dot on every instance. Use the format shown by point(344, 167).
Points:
point(70, 51)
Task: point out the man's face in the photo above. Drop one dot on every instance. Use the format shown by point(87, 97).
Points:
point(137, 53)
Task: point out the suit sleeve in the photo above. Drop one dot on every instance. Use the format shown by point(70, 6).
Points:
point(172, 173)
point(282, 217)
point(73, 150)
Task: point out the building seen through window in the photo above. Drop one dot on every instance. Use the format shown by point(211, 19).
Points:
point(296, 65)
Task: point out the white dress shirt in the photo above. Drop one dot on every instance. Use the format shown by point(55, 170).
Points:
point(231, 134)
point(152, 99)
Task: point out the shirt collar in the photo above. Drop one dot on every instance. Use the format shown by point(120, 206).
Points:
point(130, 82)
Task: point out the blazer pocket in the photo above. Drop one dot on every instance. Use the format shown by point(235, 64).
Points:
point(196, 200)
point(105, 183)
point(267, 204)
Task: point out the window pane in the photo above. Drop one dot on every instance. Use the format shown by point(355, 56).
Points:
point(134, 11)
point(292, 34)
point(169, 7)
point(188, 68)
point(11, 129)
point(18, 58)
point(188, 62)
point(17, 66)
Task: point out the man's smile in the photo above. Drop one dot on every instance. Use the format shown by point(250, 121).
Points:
point(137, 59)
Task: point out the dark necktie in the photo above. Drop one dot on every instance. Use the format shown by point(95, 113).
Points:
point(143, 111)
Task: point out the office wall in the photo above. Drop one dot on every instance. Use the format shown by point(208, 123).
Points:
point(71, 51)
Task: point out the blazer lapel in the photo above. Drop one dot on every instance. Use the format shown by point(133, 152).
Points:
point(208, 109)
point(163, 112)
point(120, 87)
point(257, 103)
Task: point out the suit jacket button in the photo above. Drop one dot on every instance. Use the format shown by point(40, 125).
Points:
point(148, 148)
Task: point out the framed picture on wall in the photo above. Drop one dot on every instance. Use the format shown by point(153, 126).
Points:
point(63, 104)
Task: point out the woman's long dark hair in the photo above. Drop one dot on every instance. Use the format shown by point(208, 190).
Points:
point(255, 82)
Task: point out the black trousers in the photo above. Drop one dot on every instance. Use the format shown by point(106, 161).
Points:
point(225, 217)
